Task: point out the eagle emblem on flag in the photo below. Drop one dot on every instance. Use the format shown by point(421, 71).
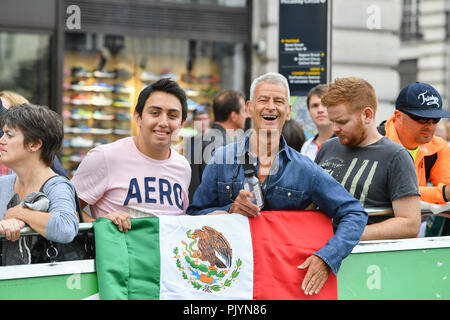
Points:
point(205, 260)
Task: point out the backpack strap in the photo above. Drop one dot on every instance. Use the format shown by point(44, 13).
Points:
point(77, 201)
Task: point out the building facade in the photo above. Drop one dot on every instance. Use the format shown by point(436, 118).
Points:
point(365, 43)
point(425, 47)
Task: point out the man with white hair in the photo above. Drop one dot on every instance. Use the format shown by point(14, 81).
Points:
point(289, 180)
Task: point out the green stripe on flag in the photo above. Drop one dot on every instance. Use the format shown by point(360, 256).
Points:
point(135, 271)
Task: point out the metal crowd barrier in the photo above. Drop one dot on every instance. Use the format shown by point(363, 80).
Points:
point(371, 211)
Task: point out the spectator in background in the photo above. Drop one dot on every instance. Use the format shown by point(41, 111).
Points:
point(443, 131)
point(202, 121)
point(10, 99)
point(229, 116)
point(418, 109)
point(293, 134)
point(319, 116)
point(7, 100)
point(375, 170)
point(447, 126)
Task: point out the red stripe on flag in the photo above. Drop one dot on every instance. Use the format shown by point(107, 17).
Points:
point(282, 240)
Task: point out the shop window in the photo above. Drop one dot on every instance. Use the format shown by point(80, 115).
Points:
point(25, 65)
point(104, 74)
point(407, 70)
point(410, 21)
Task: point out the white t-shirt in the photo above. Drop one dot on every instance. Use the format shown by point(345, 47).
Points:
point(118, 177)
point(310, 148)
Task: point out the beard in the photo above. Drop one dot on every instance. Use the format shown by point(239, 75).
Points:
point(355, 137)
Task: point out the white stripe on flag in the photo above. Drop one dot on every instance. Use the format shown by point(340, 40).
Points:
point(187, 278)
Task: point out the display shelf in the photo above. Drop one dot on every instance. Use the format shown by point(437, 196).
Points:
point(99, 95)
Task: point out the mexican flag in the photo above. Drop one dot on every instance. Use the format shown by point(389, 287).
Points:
point(225, 256)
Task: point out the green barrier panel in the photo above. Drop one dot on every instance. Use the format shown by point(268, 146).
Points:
point(72, 280)
point(377, 270)
point(59, 287)
point(396, 275)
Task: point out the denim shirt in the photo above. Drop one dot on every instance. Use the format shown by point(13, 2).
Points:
point(294, 183)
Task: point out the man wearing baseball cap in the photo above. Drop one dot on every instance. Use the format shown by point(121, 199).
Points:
point(417, 111)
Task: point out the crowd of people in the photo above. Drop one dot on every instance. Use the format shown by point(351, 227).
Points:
point(351, 164)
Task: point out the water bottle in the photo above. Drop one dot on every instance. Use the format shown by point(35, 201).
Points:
point(251, 183)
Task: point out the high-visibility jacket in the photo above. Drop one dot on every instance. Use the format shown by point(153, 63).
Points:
point(438, 153)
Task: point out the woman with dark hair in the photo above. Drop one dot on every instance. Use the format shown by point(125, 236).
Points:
point(32, 136)
point(293, 134)
point(10, 99)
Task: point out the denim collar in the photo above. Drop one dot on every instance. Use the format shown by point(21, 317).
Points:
point(244, 147)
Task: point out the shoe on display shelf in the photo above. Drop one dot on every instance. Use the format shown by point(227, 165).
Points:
point(169, 74)
point(66, 100)
point(99, 115)
point(80, 114)
point(80, 99)
point(101, 130)
point(122, 116)
point(65, 158)
point(121, 103)
point(66, 143)
point(81, 72)
point(191, 92)
point(67, 85)
point(100, 100)
point(102, 87)
point(123, 74)
point(206, 78)
point(99, 142)
point(80, 86)
point(80, 129)
point(77, 156)
point(104, 74)
point(121, 88)
point(188, 78)
point(66, 114)
point(122, 132)
point(80, 142)
point(149, 76)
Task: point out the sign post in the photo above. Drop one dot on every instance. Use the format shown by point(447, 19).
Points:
point(304, 51)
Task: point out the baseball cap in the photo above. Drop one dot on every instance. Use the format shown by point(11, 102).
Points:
point(422, 100)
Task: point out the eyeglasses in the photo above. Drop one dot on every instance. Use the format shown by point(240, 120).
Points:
point(422, 120)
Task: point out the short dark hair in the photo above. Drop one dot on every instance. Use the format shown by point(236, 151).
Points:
point(225, 102)
point(318, 90)
point(293, 134)
point(37, 123)
point(165, 85)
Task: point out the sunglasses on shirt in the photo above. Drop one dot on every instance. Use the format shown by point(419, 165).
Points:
point(421, 120)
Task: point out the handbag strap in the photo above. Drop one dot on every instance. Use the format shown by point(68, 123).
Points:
point(77, 201)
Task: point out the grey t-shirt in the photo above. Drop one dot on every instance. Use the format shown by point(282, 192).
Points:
point(375, 174)
point(63, 223)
